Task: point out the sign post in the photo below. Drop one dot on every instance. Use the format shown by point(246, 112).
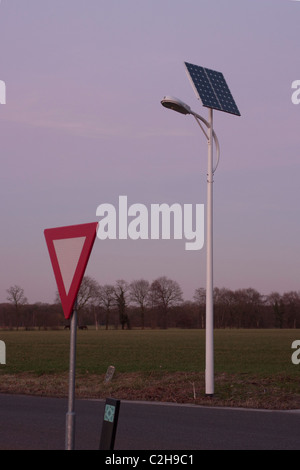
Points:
point(70, 417)
point(69, 249)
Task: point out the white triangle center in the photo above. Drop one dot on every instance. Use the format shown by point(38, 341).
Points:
point(68, 251)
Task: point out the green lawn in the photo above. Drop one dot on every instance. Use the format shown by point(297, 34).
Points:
point(248, 363)
point(236, 351)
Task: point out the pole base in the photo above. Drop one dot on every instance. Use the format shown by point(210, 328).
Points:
point(70, 430)
point(209, 395)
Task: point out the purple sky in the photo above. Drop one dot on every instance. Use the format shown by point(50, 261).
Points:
point(83, 124)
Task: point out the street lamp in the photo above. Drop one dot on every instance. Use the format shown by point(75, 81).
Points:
point(212, 90)
point(177, 105)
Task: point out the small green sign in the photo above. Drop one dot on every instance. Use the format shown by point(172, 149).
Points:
point(109, 413)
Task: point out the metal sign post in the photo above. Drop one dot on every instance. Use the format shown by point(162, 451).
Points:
point(69, 249)
point(70, 416)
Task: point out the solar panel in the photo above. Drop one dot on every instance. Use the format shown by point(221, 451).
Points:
point(211, 88)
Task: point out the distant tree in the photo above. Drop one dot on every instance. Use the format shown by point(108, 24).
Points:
point(121, 298)
point(200, 300)
point(275, 300)
point(17, 298)
point(249, 303)
point(106, 298)
point(87, 294)
point(139, 294)
point(165, 293)
point(291, 302)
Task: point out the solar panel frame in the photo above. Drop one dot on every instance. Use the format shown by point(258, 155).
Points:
point(211, 89)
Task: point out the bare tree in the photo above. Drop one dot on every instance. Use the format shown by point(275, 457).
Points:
point(139, 294)
point(249, 302)
point(106, 298)
point(200, 300)
point(87, 294)
point(291, 301)
point(165, 294)
point(17, 298)
point(121, 298)
point(275, 300)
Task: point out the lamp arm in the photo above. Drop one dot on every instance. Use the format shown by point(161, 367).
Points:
point(199, 118)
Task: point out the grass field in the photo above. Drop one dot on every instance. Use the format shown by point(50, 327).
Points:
point(253, 368)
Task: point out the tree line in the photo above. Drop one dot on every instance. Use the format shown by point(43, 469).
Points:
point(160, 304)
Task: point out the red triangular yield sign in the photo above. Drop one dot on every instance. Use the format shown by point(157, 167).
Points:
point(69, 249)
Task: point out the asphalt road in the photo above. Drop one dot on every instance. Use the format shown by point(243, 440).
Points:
point(35, 423)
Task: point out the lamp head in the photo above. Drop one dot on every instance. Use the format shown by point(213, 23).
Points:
point(176, 104)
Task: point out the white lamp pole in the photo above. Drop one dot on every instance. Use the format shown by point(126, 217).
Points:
point(209, 328)
point(177, 105)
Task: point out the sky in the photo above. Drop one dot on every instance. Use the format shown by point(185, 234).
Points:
point(83, 125)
